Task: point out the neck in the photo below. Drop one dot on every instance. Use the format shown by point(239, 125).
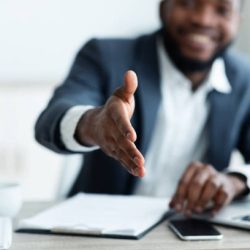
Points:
point(196, 78)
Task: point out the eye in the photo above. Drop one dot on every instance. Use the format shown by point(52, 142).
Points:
point(187, 3)
point(224, 11)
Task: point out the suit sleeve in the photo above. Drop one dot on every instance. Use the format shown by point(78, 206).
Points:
point(83, 86)
point(244, 143)
point(244, 148)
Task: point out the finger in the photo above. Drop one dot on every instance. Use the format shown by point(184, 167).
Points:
point(109, 147)
point(196, 187)
point(119, 131)
point(130, 150)
point(115, 140)
point(123, 111)
point(211, 188)
point(220, 200)
point(129, 164)
point(179, 198)
point(119, 115)
point(129, 87)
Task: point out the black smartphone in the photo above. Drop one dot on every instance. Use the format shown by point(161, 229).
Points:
point(193, 229)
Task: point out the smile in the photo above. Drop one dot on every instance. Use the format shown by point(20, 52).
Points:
point(199, 39)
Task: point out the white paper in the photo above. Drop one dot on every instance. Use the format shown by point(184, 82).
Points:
point(100, 214)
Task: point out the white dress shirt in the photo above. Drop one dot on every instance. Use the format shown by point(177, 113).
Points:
point(179, 136)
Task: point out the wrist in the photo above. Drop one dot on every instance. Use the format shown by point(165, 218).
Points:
point(239, 184)
point(84, 133)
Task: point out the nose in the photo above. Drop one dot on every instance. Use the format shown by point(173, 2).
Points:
point(203, 16)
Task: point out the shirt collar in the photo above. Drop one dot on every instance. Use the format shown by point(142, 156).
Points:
point(217, 78)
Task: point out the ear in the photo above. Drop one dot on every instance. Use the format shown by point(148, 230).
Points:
point(162, 9)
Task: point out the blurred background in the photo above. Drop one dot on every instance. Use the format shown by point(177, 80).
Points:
point(38, 42)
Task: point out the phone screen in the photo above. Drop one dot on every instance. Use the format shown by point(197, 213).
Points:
point(192, 229)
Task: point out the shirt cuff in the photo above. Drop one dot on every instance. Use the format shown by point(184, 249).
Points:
point(68, 126)
point(243, 171)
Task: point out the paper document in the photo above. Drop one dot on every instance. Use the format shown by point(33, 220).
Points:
point(103, 215)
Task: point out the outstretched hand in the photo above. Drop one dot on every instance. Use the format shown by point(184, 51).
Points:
point(110, 128)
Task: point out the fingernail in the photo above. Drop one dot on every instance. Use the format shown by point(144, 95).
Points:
point(198, 210)
point(214, 212)
point(178, 207)
point(188, 213)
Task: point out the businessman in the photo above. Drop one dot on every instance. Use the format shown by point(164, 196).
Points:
point(169, 107)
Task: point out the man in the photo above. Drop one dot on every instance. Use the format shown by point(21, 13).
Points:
point(187, 112)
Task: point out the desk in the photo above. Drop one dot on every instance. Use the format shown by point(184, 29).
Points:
point(159, 238)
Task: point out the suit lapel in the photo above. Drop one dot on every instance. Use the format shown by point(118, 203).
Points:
point(148, 95)
point(221, 128)
point(226, 115)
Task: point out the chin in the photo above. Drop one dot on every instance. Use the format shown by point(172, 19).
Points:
point(199, 57)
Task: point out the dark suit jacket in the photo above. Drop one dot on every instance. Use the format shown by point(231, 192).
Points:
point(99, 69)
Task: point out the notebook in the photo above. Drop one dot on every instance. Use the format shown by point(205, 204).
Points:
point(112, 216)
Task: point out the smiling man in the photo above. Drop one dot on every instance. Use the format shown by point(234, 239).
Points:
point(174, 121)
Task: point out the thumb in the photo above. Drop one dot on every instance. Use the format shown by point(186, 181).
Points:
point(126, 92)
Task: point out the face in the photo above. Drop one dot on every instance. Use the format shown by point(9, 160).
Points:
point(200, 29)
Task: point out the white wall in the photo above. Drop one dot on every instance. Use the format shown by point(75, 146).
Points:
point(243, 42)
point(39, 38)
point(37, 44)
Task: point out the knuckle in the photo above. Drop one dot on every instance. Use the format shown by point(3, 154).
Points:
point(120, 139)
point(118, 92)
point(110, 106)
point(121, 142)
point(195, 164)
point(210, 169)
point(221, 199)
point(191, 165)
point(224, 194)
point(119, 153)
point(129, 149)
point(183, 182)
point(196, 184)
point(212, 184)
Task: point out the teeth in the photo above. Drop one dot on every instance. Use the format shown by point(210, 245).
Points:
point(199, 38)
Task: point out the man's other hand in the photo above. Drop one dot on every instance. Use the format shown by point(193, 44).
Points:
point(202, 185)
point(109, 127)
